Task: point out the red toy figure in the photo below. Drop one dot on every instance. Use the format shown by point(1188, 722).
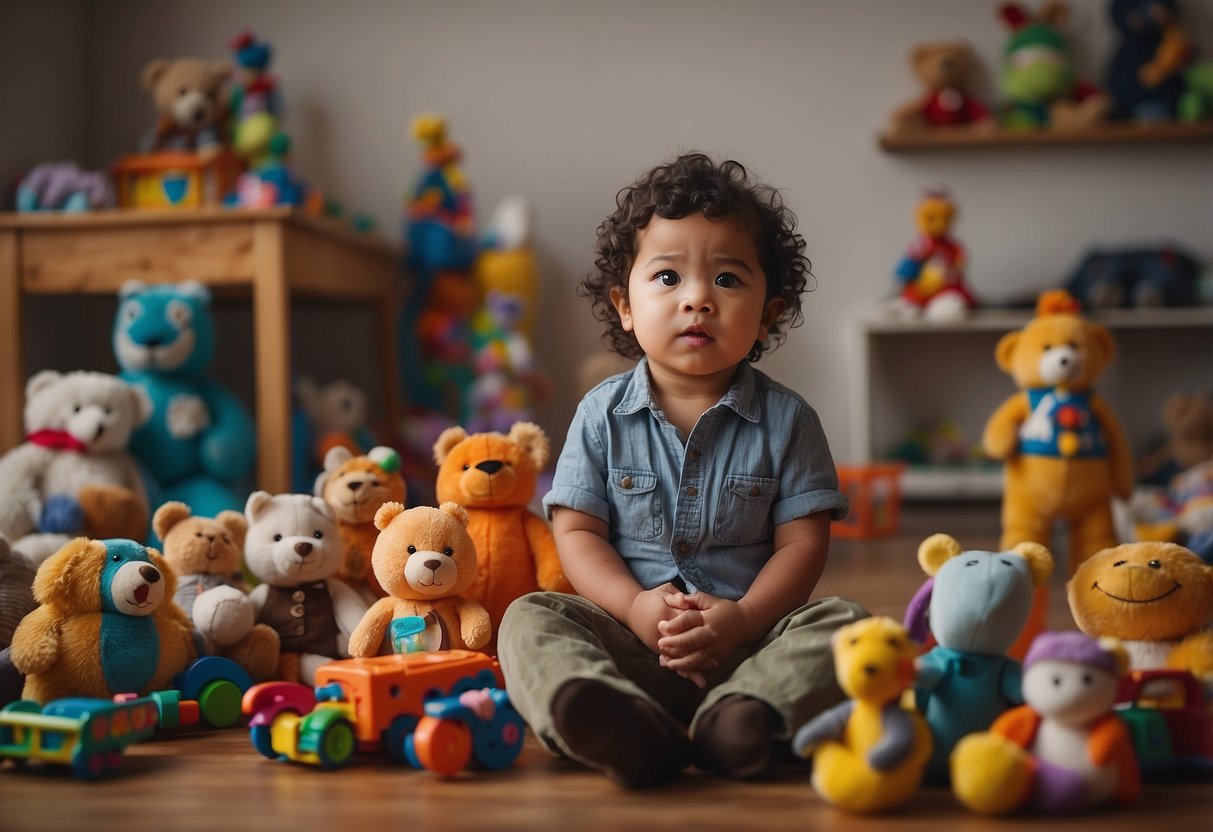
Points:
point(932, 272)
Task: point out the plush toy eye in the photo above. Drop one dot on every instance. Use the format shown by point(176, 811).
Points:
point(1155, 564)
point(76, 408)
point(116, 558)
point(1004, 561)
point(1118, 563)
point(466, 467)
point(131, 311)
point(1087, 679)
point(1056, 681)
point(277, 537)
point(107, 410)
point(895, 643)
point(226, 539)
point(374, 482)
point(197, 534)
point(448, 551)
point(971, 563)
point(854, 640)
point(412, 550)
point(179, 313)
point(1046, 347)
point(319, 535)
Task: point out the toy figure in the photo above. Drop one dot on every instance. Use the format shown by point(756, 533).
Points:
point(1146, 76)
point(945, 70)
point(931, 274)
point(336, 417)
point(868, 752)
point(190, 105)
point(1138, 277)
point(63, 186)
point(1066, 750)
point(255, 100)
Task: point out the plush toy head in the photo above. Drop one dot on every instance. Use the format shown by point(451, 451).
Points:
point(186, 91)
point(1072, 678)
point(292, 539)
point(88, 412)
point(423, 553)
point(1189, 423)
point(164, 328)
point(337, 406)
point(356, 486)
point(1142, 592)
point(1036, 61)
point(935, 213)
point(490, 470)
point(1056, 348)
point(942, 65)
point(132, 579)
point(200, 545)
point(874, 659)
point(979, 601)
point(16, 590)
point(1143, 20)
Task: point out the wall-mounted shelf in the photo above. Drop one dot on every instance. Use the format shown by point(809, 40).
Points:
point(963, 138)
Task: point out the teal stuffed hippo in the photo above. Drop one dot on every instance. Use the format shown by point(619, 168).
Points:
point(978, 603)
point(198, 445)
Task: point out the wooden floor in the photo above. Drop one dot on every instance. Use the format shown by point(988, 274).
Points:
point(217, 782)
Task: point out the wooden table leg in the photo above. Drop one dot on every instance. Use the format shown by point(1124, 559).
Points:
point(12, 363)
point(272, 372)
point(388, 317)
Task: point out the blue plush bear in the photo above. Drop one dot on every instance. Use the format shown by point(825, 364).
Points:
point(978, 603)
point(198, 445)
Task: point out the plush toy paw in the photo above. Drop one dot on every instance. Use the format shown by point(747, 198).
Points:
point(223, 615)
point(61, 514)
point(187, 416)
point(990, 774)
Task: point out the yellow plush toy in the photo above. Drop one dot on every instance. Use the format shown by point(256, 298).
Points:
point(425, 560)
point(1156, 598)
point(869, 753)
point(493, 476)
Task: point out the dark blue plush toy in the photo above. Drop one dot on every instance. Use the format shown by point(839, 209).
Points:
point(1146, 78)
point(1147, 277)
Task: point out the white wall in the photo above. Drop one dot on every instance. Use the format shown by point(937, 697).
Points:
point(566, 102)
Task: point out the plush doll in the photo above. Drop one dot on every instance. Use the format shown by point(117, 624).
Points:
point(931, 275)
point(868, 753)
point(1038, 75)
point(73, 474)
point(191, 109)
point(63, 186)
point(16, 590)
point(425, 560)
point(255, 101)
point(107, 624)
point(204, 553)
point(978, 603)
point(1188, 420)
point(294, 549)
point(354, 488)
point(1066, 750)
point(1139, 277)
point(1155, 598)
point(336, 415)
point(493, 476)
point(945, 71)
point(198, 443)
point(1146, 76)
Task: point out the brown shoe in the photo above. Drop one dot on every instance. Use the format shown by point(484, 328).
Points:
point(733, 739)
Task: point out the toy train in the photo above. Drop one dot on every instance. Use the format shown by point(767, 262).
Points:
point(437, 711)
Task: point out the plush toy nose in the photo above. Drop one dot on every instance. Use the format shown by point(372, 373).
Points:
point(304, 548)
point(870, 669)
point(354, 486)
point(490, 466)
point(149, 573)
point(97, 434)
point(433, 565)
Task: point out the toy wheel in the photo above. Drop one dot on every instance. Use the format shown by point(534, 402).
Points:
point(500, 743)
point(262, 741)
point(219, 703)
point(396, 738)
point(442, 745)
point(89, 766)
point(336, 744)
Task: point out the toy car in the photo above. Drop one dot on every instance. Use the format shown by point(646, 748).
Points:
point(1172, 729)
point(436, 711)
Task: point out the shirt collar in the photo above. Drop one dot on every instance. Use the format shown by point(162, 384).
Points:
point(742, 397)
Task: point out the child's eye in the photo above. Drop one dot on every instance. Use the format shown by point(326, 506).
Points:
point(727, 280)
point(668, 278)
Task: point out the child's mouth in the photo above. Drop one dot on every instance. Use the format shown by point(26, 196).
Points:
point(696, 336)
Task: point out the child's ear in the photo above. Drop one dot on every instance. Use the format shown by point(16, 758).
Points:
point(619, 298)
point(770, 315)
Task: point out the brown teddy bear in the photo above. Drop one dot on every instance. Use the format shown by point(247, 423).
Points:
point(107, 623)
point(354, 488)
point(1155, 597)
point(191, 109)
point(425, 559)
point(945, 71)
point(494, 476)
point(204, 554)
point(1189, 422)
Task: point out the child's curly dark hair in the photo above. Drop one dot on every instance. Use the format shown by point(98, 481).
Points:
point(693, 182)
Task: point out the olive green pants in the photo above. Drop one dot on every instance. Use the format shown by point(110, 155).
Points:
point(548, 638)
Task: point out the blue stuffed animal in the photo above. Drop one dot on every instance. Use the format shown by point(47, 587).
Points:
point(198, 445)
point(979, 602)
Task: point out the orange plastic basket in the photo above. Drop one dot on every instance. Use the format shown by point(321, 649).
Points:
point(875, 495)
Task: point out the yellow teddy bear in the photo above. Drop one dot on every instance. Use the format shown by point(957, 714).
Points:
point(869, 753)
point(424, 558)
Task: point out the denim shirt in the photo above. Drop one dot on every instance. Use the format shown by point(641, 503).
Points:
point(704, 511)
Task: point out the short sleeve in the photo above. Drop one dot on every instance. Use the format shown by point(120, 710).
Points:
point(579, 482)
point(808, 481)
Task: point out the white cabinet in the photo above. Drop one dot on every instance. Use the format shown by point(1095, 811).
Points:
point(913, 373)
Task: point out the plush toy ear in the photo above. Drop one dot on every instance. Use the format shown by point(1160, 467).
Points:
point(921, 53)
point(58, 575)
point(235, 524)
point(1004, 353)
point(143, 404)
point(39, 382)
point(1055, 13)
point(169, 515)
point(1104, 343)
point(457, 511)
point(324, 508)
point(257, 502)
point(131, 287)
point(219, 72)
point(153, 71)
point(447, 440)
point(531, 438)
point(1013, 15)
point(935, 551)
point(386, 513)
point(1120, 657)
point(1040, 561)
point(170, 577)
point(195, 289)
point(337, 456)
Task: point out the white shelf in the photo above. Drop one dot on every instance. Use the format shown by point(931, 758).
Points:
point(1005, 320)
point(950, 483)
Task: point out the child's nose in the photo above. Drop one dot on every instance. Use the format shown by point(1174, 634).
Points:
point(697, 299)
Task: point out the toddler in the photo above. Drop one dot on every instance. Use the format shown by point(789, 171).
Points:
point(691, 504)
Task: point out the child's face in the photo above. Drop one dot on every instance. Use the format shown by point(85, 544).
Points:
point(696, 296)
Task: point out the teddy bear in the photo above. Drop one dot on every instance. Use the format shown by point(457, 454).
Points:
point(354, 488)
point(976, 604)
point(293, 547)
point(191, 107)
point(1146, 75)
point(335, 414)
point(493, 476)
point(1038, 76)
point(1155, 598)
point(204, 553)
point(197, 444)
point(73, 474)
point(425, 559)
point(1065, 750)
point(106, 623)
point(1188, 419)
point(1065, 453)
point(945, 71)
point(869, 753)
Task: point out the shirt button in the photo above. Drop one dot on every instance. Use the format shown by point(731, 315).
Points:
point(695, 453)
point(754, 492)
point(299, 630)
point(692, 490)
point(297, 611)
point(297, 595)
point(626, 482)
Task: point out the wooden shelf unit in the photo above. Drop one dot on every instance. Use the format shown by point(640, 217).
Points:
point(267, 255)
point(967, 138)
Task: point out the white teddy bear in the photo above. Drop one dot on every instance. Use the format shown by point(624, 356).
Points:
point(294, 549)
point(73, 475)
